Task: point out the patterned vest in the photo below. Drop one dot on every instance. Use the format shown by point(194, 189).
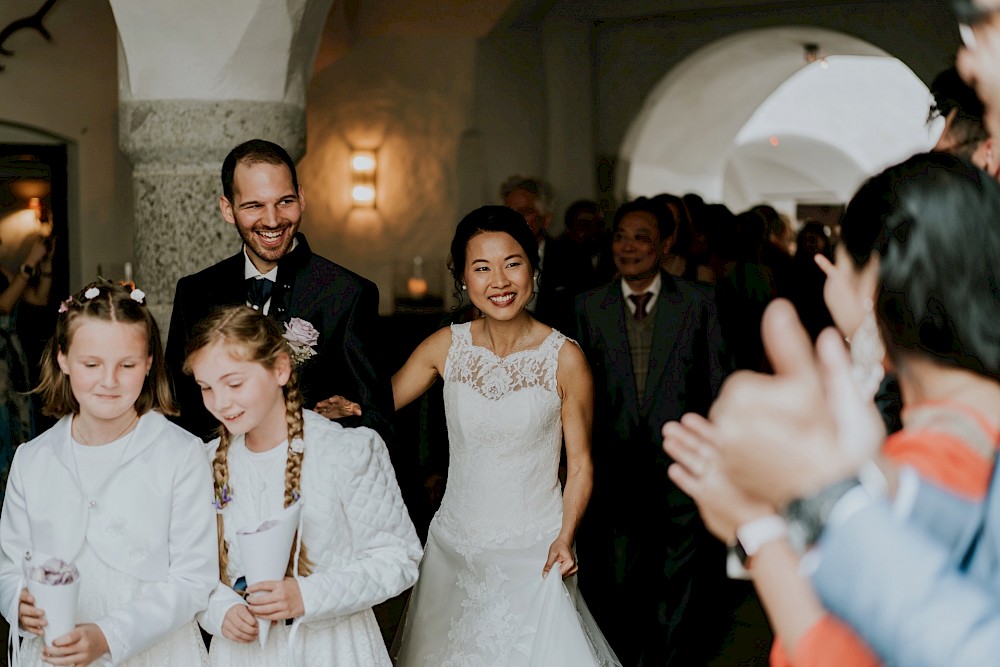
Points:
point(640, 341)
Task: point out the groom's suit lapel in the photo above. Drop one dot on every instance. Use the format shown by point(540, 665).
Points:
point(230, 289)
point(290, 269)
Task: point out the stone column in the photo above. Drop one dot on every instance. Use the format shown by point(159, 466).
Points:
point(195, 79)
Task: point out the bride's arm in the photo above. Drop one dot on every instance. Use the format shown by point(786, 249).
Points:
point(576, 388)
point(424, 366)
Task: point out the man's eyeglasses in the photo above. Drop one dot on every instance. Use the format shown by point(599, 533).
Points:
point(969, 16)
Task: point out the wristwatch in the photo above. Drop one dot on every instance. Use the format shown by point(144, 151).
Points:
point(27, 271)
point(807, 516)
point(753, 535)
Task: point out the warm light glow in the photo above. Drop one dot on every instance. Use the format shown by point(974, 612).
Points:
point(774, 140)
point(417, 287)
point(363, 161)
point(363, 165)
point(363, 195)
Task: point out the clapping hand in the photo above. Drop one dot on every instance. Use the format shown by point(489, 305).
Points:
point(787, 435)
point(724, 507)
point(338, 407)
point(276, 600)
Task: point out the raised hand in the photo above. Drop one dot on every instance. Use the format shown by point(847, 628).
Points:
point(724, 507)
point(787, 435)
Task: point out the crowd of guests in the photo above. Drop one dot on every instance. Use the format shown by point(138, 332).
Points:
point(637, 412)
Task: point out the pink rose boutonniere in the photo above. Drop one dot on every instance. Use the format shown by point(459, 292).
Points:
point(302, 337)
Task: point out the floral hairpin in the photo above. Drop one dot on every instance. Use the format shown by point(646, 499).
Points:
point(137, 295)
point(297, 446)
point(222, 498)
point(92, 293)
point(64, 306)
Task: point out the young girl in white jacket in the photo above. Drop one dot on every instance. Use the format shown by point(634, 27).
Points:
point(115, 488)
point(355, 545)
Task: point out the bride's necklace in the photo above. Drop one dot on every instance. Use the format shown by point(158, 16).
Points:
point(516, 347)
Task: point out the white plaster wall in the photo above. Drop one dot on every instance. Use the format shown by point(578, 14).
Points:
point(510, 107)
point(410, 98)
point(260, 50)
point(570, 165)
point(67, 87)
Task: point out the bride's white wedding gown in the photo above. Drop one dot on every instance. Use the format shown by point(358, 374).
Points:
point(481, 599)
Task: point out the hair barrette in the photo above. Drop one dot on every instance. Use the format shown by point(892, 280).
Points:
point(222, 498)
point(92, 293)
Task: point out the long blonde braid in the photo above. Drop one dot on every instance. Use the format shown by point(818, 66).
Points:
point(293, 467)
point(223, 494)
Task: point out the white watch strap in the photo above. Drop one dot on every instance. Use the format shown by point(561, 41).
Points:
point(754, 534)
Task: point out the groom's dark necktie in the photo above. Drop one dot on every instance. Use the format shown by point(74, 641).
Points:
point(258, 292)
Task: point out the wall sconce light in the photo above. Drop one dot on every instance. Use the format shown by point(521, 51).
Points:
point(363, 165)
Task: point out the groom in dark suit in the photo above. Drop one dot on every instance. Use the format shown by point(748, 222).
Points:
point(277, 272)
point(652, 340)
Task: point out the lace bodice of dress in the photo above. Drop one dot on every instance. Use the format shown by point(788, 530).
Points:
point(505, 434)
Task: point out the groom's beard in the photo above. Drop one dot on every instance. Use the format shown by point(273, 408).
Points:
point(266, 251)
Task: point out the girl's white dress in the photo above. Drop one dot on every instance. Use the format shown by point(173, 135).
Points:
point(358, 535)
point(481, 599)
point(136, 517)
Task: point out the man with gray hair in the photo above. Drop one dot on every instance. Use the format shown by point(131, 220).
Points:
point(533, 198)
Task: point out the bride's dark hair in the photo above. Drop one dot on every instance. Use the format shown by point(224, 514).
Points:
point(490, 219)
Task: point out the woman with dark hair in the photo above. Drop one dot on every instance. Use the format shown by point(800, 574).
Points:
point(917, 271)
point(496, 583)
point(679, 260)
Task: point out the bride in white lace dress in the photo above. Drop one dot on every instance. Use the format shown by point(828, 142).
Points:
point(490, 590)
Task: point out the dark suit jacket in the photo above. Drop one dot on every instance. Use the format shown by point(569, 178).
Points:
point(340, 304)
point(684, 374)
point(642, 539)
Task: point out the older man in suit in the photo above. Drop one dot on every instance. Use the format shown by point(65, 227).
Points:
point(333, 310)
point(647, 565)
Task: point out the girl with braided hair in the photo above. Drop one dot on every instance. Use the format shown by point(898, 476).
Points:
point(355, 545)
point(116, 489)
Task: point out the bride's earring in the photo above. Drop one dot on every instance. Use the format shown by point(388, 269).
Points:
point(867, 353)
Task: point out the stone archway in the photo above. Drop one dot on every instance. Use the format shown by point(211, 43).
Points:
point(698, 130)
